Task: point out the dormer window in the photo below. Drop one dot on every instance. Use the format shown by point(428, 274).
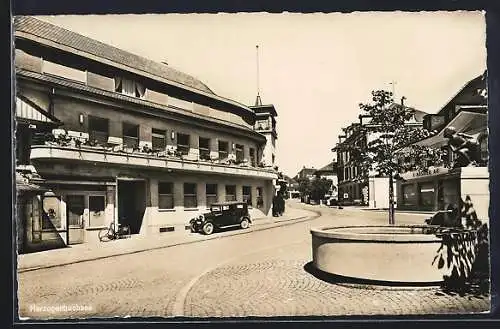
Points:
point(129, 87)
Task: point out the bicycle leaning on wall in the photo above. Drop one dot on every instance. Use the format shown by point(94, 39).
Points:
point(112, 233)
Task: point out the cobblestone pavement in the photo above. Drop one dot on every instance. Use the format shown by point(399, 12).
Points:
point(276, 283)
point(262, 273)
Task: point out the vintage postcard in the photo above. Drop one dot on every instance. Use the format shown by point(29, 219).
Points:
point(251, 165)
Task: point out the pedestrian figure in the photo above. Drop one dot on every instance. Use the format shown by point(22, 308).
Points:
point(281, 204)
point(275, 210)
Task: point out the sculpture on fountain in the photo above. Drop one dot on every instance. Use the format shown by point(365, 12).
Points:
point(465, 146)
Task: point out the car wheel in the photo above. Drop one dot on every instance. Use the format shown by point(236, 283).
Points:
point(244, 223)
point(208, 228)
point(191, 227)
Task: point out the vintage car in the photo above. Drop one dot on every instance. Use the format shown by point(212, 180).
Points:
point(222, 215)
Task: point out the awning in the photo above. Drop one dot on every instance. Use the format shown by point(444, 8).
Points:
point(464, 122)
point(32, 113)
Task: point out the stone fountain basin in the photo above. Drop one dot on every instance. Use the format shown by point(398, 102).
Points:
point(401, 254)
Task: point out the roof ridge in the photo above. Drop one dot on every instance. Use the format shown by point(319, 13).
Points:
point(45, 27)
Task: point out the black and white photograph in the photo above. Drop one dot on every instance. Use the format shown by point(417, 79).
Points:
point(251, 165)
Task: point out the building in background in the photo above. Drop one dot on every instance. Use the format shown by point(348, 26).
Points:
point(329, 172)
point(443, 184)
point(355, 186)
point(110, 136)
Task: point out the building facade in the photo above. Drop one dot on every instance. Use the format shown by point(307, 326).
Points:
point(445, 183)
point(114, 137)
point(356, 186)
point(329, 172)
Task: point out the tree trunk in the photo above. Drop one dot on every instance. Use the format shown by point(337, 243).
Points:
point(391, 199)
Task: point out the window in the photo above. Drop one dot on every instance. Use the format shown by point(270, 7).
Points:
point(183, 143)
point(51, 218)
point(158, 139)
point(129, 87)
point(247, 195)
point(204, 147)
point(230, 192)
point(426, 195)
point(223, 150)
point(97, 215)
point(211, 192)
point(130, 135)
point(252, 157)
point(165, 195)
point(409, 195)
point(98, 129)
point(64, 71)
point(190, 198)
point(273, 157)
point(239, 152)
point(260, 197)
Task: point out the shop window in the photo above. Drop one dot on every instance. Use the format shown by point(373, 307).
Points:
point(98, 129)
point(230, 192)
point(130, 135)
point(260, 197)
point(158, 139)
point(97, 207)
point(165, 195)
point(204, 147)
point(51, 217)
point(190, 197)
point(129, 87)
point(211, 193)
point(247, 195)
point(409, 195)
point(223, 150)
point(426, 195)
point(183, 143)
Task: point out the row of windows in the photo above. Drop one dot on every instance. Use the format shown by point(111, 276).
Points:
point(99, 131)
point(350, 172)
point(166, 194)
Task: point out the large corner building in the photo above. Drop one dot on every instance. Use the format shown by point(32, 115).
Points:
point(105, 136)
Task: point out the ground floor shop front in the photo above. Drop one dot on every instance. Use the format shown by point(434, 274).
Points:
point(444, 189)
point(76, 207)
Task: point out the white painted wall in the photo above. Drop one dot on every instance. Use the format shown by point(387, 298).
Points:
point(378, 192)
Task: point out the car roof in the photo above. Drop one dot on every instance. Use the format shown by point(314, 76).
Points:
point(228, 203)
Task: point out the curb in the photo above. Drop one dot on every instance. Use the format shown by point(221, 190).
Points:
point(279, 224)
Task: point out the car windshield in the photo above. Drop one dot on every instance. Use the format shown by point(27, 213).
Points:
point(215, 208)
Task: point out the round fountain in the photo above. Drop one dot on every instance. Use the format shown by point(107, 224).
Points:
point(397, 254)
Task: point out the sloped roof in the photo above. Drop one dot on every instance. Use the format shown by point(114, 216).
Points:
point(331, 167)
point(44, 30)
point(470, 93)
point(118, 96)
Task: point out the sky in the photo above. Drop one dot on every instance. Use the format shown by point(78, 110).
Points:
point(314, 68)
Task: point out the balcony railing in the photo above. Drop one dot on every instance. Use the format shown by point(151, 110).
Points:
point(50, 146)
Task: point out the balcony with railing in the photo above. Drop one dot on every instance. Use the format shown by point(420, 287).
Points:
point(62, 146)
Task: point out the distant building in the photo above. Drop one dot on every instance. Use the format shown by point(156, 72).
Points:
point(329, 172)
point(354, 185)
point(308, 173)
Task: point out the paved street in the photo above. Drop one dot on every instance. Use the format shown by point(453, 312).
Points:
point(262, 273)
